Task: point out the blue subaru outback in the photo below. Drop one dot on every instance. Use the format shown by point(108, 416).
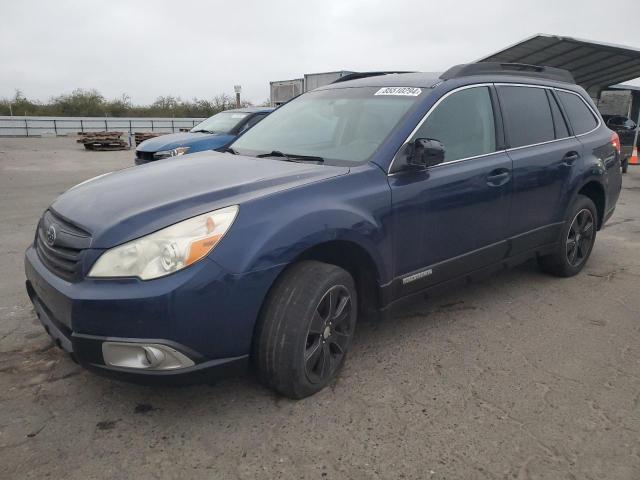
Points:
point(214, 133)
point(341, 203)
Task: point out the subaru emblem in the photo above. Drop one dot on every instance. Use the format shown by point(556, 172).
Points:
point(51, 235)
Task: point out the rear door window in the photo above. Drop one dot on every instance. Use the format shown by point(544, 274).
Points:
point(464, 123)
point(527, 113)
point(580, 116)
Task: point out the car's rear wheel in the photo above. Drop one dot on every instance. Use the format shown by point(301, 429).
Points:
point(306, 328)
point(576, 242)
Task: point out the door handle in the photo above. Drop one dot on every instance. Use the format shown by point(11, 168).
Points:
point(498, 177)
point(570, 158)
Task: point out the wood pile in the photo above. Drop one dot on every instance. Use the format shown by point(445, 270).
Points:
point(102, 141)
point(142, 136)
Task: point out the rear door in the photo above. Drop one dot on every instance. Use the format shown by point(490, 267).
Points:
point(596, 144)
point(451, 218)
point(545, 156)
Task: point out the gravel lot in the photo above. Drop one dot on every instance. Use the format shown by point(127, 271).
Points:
point(522, 376)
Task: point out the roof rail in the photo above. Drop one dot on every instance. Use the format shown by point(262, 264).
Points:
point(519, 69)
point(356, 75)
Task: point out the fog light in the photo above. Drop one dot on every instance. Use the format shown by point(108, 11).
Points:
point(145, 356)
point(154, 355)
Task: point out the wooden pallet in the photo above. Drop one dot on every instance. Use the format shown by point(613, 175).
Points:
point(102, 141)
point(142, 136)
point(107, 145)
point(94, 136)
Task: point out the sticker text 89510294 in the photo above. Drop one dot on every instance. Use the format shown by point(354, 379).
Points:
point(403, 91)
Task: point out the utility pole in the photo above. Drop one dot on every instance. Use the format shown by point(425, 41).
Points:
point(237, 89)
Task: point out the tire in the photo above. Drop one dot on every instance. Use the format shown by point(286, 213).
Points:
point(576, 242)
point(625, 165)
point(305, 329)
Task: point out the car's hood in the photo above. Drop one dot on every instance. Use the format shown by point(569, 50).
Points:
point(129, 203)
point(184, 139)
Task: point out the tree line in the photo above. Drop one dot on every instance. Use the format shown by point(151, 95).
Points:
point(91, 103)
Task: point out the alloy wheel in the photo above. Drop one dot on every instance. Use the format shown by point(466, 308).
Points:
point(580, 237)
point(329, 334)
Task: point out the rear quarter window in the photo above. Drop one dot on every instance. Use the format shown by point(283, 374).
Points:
point(527, 115)
point(558, 120)
point(580, 116)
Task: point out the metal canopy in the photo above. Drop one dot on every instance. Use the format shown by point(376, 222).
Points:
point(594, 65)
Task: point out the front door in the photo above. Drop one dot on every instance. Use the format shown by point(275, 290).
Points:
point(451, 218)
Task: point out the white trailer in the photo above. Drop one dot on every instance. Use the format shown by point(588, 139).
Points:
point(284, 90)
point(316, 80)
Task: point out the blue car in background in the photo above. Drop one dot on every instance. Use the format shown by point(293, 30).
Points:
point(213, 133)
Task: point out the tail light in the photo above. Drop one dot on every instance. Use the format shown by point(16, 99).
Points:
point(615, 141)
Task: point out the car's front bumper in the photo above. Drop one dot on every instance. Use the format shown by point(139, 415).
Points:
point(203, 312)
point(87, 351)
point(143, 157)
point(142, 161)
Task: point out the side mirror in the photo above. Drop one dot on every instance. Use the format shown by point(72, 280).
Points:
point(427, 152)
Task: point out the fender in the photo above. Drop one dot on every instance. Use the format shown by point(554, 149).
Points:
point(594, 173)
point(274, 230)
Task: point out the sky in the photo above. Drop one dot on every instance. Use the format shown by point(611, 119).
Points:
point(192, 48)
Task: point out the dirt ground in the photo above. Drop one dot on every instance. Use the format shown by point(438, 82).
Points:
point(522, 376)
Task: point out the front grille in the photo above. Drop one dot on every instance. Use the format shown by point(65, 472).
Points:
point(146, 156)
point(63, 254)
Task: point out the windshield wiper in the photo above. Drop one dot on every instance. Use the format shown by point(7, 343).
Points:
point(291, 157)
point(202, 131)
point(229, 150)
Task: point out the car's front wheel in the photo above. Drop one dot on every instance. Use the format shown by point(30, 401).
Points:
point(306, 328)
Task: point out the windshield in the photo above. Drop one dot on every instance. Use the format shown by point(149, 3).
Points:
point(222, 122)
point(343, 124)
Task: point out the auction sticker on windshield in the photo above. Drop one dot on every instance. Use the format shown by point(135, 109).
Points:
point(403, 91)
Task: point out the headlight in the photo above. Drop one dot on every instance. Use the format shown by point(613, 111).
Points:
point(170, 153)
point(167, 250)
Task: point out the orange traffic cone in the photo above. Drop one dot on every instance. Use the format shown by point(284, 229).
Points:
point(633, 159)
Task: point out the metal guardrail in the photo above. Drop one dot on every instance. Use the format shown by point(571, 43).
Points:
point(39, 126)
